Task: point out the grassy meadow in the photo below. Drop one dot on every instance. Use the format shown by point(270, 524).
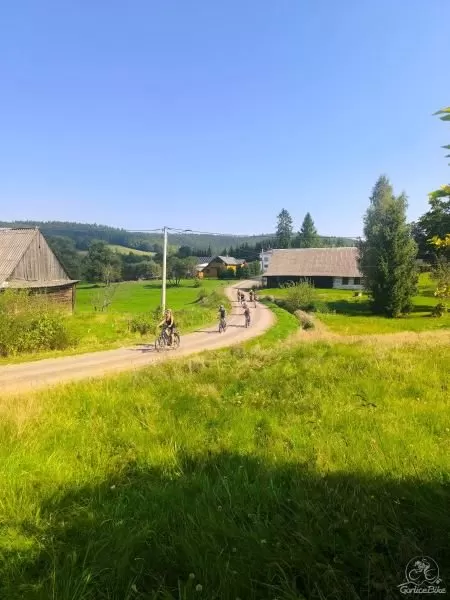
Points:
point(95, 330)
point(350, 315)
point(273, 470)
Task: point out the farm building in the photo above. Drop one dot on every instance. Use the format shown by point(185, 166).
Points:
point(220, 263)
point(323, 267)
point(27, 262)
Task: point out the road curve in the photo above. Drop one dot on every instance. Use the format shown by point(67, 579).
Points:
point(52, 371)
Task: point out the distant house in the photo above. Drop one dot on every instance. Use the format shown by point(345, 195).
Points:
point(219, 264)
point(324, 267)
point(27, 262)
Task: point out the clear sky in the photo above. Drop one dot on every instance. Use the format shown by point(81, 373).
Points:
point(215, 114)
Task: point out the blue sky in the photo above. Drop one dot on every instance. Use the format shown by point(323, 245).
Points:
point(215, 115)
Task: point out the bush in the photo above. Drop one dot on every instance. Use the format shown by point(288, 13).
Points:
point(202, 294)
point(197, 283)
point(305, 319)
point(301, 296)
point(143, 324)
point(30, 323)
point(210, 299)
point(439, 310)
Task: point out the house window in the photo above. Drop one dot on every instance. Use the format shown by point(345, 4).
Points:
point(357, 280)
point(345, 281)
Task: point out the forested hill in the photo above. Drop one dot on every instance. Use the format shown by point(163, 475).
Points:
point(82, 235)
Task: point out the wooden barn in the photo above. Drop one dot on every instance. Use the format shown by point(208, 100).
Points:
point(323, 267)
point(27, 262)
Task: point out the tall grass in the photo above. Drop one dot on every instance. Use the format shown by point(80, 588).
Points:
point(30, 323)
point(312, 472)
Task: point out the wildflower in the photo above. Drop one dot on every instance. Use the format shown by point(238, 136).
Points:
point(198, 587)
point(191, 575)
point(113, 487)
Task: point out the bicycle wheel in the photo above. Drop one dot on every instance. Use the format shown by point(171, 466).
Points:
point(220, 327)
point(160, 343)
point(175, 340)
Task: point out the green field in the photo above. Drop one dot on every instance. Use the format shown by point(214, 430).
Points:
point(351, 316)
point(266, 471)
point(125, 250)
point(96, 330)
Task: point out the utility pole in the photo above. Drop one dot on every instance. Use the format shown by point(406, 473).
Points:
point(164, 272)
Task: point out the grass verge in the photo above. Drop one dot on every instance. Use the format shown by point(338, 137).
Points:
point(351, 316)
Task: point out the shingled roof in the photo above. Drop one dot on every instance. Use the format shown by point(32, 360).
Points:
point(314, 262)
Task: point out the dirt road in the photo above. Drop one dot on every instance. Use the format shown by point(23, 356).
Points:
point(43, 373)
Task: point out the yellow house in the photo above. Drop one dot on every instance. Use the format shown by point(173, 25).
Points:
point(220, 263)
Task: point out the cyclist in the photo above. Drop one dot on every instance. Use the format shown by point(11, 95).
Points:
point(246, 313)
point(251, 295)
point(222, 315)
point(168, 324)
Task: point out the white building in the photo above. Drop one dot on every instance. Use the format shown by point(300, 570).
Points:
point(264, 259)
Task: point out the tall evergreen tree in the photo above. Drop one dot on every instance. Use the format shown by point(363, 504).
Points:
point(307, 236)
point(284, 229)
point(388, 252)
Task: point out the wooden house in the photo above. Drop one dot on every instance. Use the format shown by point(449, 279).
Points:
point(219, 264)
point(27, 262)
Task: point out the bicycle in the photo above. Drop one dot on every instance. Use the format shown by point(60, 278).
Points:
point(222, 326)
point(247, 320)
point(163, 340)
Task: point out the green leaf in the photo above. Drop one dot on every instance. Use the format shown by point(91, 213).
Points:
point(445, 118)
point(442, 111)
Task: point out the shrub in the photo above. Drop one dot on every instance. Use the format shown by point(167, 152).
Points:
point(30, 324)
point(301, 296)
point(305, 319)
point(197, 283)
point(439, 310)
point(210, 299)
point(143, 324)
point(202, 294)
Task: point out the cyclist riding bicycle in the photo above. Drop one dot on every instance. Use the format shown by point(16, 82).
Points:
point(168, 324)
point(246, 313)
point(222, 316)
point(251, 295)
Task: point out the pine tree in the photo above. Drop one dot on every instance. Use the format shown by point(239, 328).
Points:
point(284, 229)
point(388, 252)
point(307, 236)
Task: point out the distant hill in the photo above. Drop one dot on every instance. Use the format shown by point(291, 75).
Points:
point(83, 233)
point(201, 244)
